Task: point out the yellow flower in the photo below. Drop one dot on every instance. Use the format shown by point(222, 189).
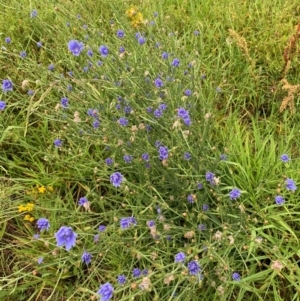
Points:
point(22, 208)
point(26, 208)
point(41, 189)
point(29, 218)
point(131, 11)
point(29, 206)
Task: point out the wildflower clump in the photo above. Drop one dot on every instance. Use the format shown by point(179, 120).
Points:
point(135, 16)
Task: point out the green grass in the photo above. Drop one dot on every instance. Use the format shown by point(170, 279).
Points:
point(234, 110)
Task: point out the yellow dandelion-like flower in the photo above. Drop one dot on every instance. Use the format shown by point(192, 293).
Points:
point(22, 208)
point(41, 189)
point(131, 11)
point(29, 206)
point(29, 218)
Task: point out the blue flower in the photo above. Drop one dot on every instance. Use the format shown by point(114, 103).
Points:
point(180, 257)
point(66, 236)
point(165, 55)
point(101, 228)
point(196, 32)
point(103, 51)
point(223, 157)
point(146, 157)
point(116, 179)
point(23, 54)
point(236, 276)
point(190, 199)
point(33, 13)
point(187, 92)
point(158, 83)
point(109, 161)
point(120, 33)
point(127, 158)
point(43, 224)
point(121, 279)
point(187, 156)
point(57, 143)
point(175, 62)
point(123, 121)
point(201, 227)
point(39, 44)
point(64, 102)
point(40, 260)
point(194, 267)
point(51, 67)
point(7, 40)
point(136, 272)
point(141, 40)
point(279, 200)
point(182, 113)
point(151, 223)
point(121, 49)
point(106, 291)
point(205, 207)
point(158, 113)
point(2, 105)
point(290, 185)
point(285, 158)
point(82, 201)
point(86, 257)
point(209, 176)
point(199, 186)
point(30, 92)
point(7, 85)
point(126, 222)
point(90, 52)
point(234, 194)
point(163, 153)
point(75, 47)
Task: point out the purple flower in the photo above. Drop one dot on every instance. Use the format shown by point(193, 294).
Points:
point(30, 92)
point(120, 33)
point(187, 121)
point(199, 186)
point(145, 272)
point(158, 83)
point(90, 52)
point(64, 102)
point(116, 179)
point(223, 157)
point(285, 158)
point(151, 223)
point(86, 257)
point(51, 67)
point(82, 201)
point(109, 161)
point(190, 199)
point(75, 47)
point(127, 158)
point(7, 85)
point(2, 105)
point(157, 143)
point(290, 185)
point(194, 267)
point(126, 222)
point(122, 49)
point(106, 291)
point(96, 238)
point(182, 113)
point(103, 51)
point(121, 279)
point(43, 224)
point(162, 106)
point(136, 272)
point(146, 157)
point(101, 228)
point(7, 40)
point(196, 32)
point(205, 207)
point(175, 62)
point(158, 113)
point(33, 13)
point(201, 227)
point(141, 40)
point(96, 124)
point(163, 153)
point(36, 236)
point(165, 55)
point(57, 143)
point(40, 260)
point(39, 44)
point(123, 121)
point(187, 156)
point(180, 257)
point(66, 236)
point(279, 200)
point(234, 194)
point(209, 176)
point(187, 92)
point(236, 276)
point(99, 63)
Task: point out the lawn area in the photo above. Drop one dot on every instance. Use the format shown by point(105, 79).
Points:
point(149, 150)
